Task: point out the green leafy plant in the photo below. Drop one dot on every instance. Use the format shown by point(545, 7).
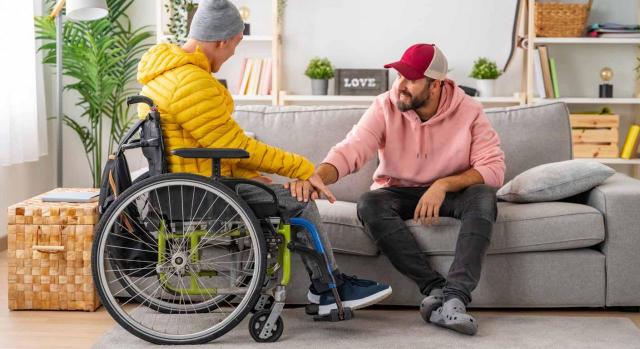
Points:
point(483, 68)
point(178, 26)
point(282, 5)
point(319, 68)
point(101, 58)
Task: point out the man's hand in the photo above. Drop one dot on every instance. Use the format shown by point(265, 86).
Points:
point(310, 189)
point(428, 208)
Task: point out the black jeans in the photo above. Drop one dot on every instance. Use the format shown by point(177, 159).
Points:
point(383, 212)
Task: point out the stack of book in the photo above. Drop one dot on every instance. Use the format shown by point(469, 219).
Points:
point(255, 77)
point(613, 30)
point(546, 74)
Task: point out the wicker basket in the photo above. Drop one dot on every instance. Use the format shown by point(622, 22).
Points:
point(555, 19)
point(50, 255)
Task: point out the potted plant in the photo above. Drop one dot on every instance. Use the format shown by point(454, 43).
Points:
point(319, 71)
point(191, 11)
point(100, 58)
point(485, 72)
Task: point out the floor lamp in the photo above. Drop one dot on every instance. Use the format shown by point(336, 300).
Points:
point(78, 10)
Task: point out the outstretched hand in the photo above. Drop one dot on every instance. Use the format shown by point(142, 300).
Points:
point(310, 189)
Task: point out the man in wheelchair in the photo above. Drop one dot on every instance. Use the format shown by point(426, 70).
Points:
point(196, 112)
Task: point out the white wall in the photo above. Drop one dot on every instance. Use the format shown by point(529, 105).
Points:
point(369, 34)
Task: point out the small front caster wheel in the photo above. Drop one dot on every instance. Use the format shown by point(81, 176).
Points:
point(257, 323)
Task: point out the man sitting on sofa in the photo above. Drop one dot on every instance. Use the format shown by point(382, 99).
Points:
point(439, 156)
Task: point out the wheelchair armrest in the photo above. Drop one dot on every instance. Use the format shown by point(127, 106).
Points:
point(211, 153)
point(267, 209)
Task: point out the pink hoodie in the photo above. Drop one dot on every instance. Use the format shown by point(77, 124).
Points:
point(413, 153)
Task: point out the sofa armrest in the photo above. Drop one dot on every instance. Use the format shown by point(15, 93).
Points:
point(618, 198)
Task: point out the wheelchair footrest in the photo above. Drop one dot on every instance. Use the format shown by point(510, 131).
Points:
point(334, 315)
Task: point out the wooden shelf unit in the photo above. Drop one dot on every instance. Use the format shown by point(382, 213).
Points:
point(528, 74)
point(275, 39)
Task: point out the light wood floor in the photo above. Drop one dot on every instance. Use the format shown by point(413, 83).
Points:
point(58, 329)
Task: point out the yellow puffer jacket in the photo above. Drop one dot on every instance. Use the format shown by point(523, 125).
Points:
point(195, 111)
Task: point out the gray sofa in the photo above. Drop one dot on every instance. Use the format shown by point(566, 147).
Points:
point(581, 252)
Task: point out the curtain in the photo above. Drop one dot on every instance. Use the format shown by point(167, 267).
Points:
point(23, 126)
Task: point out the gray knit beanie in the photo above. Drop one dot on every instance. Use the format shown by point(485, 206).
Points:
point(216, 20)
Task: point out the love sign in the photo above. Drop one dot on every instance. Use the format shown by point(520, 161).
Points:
point(361, 82)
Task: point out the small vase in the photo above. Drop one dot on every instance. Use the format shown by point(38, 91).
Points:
point(319, 87)
point(485, 87)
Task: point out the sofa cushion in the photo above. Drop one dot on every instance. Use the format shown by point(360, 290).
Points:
point(532, 135)
point(345, 231)
point(545, 226)
point(520, 228)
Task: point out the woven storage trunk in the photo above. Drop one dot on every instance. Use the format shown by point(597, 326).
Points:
point(595, 136)
point(50, 255)
point(554, 19)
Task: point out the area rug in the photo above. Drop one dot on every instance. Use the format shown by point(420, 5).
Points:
point(404, 329)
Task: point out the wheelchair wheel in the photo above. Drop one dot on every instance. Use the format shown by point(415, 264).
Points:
point(178, 259)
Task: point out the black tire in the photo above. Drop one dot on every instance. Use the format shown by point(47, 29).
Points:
point(98, 266)
point(257, 322)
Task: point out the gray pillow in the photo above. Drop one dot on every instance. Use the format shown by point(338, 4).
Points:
point(555, 181)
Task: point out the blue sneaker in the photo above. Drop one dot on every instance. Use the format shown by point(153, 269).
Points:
point(355, 294)
point(313, 296)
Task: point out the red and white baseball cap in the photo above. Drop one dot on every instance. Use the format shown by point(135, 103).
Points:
point(421, 60)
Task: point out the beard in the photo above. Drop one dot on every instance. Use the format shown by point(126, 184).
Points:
point(414, 103)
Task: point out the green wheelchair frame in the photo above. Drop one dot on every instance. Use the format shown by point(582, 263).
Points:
point(194, 238)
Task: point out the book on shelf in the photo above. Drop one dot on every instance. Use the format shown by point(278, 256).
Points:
point(537, 69)
point(255, 77)
point(630, 147)
point(254, 80)
point(554, 77)
point(546, 70)
point(246, 74)
point(614, 30)
point(620, 35)
point(243, 67)
point(265, 79)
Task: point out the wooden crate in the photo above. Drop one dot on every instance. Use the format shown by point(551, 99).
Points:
point(50, 255)
point(595, 135)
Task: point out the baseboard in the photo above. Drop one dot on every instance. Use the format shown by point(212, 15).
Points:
point(3, 242)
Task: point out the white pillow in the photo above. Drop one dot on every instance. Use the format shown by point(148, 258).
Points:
point(555, 181)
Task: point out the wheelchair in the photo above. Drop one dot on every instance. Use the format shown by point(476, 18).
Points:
point(179, 258)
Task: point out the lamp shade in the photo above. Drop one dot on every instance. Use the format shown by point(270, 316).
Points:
point(86, 10)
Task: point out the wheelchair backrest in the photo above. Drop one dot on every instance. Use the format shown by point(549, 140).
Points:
point(145, 134)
